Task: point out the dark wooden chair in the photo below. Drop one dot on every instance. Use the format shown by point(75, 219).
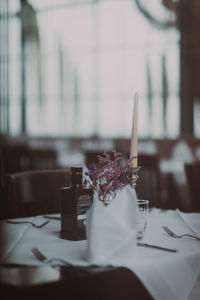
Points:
point(192, 171)
point(20, 158)
point(34, 192)
point(91, 157)
point(43, 158)
point(15, 158)
point(149, 183)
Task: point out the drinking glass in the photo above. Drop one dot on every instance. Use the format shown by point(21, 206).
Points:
point(142, 214)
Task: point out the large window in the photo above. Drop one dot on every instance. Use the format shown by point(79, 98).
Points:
point(75, 65)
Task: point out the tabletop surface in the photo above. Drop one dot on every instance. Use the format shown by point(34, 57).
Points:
point(165, 275)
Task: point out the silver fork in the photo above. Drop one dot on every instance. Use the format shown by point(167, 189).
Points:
point(174, 235)
point(28, 222)
point(40, 256)
point(61, 262)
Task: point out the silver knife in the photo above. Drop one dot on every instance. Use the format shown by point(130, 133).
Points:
point(157, 247)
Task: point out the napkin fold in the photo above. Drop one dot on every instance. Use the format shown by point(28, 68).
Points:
point(111, 230)
point(191, 220)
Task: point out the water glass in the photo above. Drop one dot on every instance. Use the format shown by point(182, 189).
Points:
point(142, 214)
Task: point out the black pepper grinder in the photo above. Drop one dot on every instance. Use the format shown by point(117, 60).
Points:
point(75, 201)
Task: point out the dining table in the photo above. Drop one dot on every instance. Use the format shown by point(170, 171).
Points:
point(149, 273)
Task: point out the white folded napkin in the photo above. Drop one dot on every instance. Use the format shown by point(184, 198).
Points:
point(111, 230)
point(191, 220)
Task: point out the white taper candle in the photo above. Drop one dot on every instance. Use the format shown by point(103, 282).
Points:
point(134, 134)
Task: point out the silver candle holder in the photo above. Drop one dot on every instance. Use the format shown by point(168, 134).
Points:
point(132, 176)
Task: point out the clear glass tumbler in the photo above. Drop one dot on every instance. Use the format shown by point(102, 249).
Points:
point(142, 214)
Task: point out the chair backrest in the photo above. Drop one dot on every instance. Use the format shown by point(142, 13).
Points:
point(91, 157)
point(21, 158)
point(34, 192)
point(192, 171)
point(149, 182)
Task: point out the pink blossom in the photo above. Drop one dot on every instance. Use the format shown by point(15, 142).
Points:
point(105, 177)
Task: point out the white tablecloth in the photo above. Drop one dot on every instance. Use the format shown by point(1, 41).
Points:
point(166, 275)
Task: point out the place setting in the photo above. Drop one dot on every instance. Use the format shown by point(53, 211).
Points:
point(103, 225)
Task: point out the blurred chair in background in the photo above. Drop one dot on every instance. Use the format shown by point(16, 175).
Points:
point(177, 192)
point(149, 183)
point(192, 171)
point(34, 192)
point(19, 158)
point(91, 157)
point(43, 158)
point(15, 158)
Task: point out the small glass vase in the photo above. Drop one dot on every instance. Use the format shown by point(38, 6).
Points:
point(106, 197)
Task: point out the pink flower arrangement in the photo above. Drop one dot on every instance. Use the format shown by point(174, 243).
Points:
point(104, 178)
